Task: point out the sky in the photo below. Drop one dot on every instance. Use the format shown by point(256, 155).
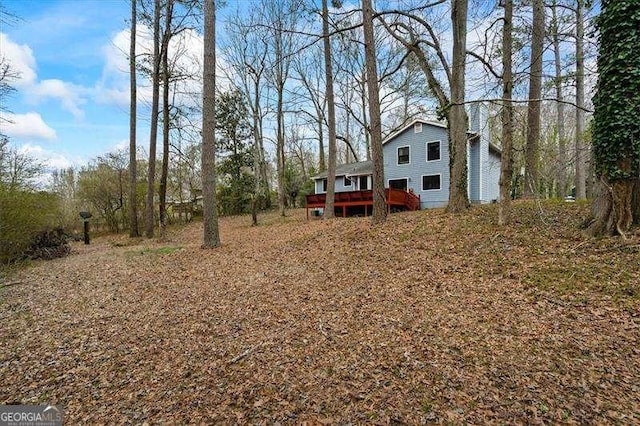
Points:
point(71, 102)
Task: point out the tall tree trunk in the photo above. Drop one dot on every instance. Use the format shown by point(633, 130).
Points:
point(321, 159)
point(635, 202)
point(612, 208)
point(533, 109)
point(280, 120)
point(506, 169)
point(166, 38)
point(331, 114)
point(580, 154)
point(210, 206)
point(616, 134)
point(153, 135)
point(457, 122)
point(133, 110)
point(257, 196)
point(367, 136)
point(375, 129)
point(280, 153)
point(262, 187)
point(562, 145)
point(265, 198)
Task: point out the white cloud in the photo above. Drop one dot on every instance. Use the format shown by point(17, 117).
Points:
point(21, 59)
point(27, 126)
point(69, 95)
point(51, 160)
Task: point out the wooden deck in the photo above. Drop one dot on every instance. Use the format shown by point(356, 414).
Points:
point(396, 199)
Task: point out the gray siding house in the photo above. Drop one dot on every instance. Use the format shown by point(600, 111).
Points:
point(416, 159)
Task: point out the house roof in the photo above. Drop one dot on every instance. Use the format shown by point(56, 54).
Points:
point(410, 125)
point(351, 169)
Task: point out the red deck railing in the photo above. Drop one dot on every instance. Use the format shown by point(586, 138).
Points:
point(397, 198)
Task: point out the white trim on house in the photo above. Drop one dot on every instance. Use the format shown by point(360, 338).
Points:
point(398, 163)
point(417, 127)
point(426, 146)
point(344, 181)
point(429, 190)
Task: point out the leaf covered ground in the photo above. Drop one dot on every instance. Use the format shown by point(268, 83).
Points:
point(431, 318)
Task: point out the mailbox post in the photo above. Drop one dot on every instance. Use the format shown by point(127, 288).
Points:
point(85, 219)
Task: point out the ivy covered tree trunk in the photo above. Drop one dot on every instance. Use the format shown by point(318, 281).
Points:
point(616, 128)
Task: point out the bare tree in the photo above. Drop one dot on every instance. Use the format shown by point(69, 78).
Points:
point(246, 52)
point(331, 114)
point(458, 196)
point(210, 206)
point(162, 192)
point(153, 135)
point(309, 72)
point(133, 108)
point(506, 169)
point(562, 146)
point(375, 129)
point(580, 177)
point(280, 20)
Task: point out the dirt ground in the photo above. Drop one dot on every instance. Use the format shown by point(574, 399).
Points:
point(430, 318)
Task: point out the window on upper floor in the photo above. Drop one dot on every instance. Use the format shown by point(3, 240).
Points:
point(417, 128)
point(347, 181)
point(433, 151)
point(430, 182)
point(403, 155)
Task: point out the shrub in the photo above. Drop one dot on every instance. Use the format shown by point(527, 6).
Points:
point(23, 215)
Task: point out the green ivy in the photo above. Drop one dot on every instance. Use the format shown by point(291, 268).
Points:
point(616, 127)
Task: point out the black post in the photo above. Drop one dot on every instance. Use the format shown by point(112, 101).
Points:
point(86, 231)
point(85, 218)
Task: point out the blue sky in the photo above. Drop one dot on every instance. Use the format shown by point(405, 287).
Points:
point(71, 101)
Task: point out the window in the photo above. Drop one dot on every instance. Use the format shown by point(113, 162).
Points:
point(347, 181)
point(403, 155)
point(433, 151)
point(417, 128)
point(324, 185)
point(398, 183)
point(430, 182)
point(364, 183)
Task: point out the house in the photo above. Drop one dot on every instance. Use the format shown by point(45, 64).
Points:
point(416, 161)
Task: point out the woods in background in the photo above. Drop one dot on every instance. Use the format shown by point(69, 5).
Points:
point(293, 82)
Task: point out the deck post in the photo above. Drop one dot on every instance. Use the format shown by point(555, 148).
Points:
point(344, 211)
